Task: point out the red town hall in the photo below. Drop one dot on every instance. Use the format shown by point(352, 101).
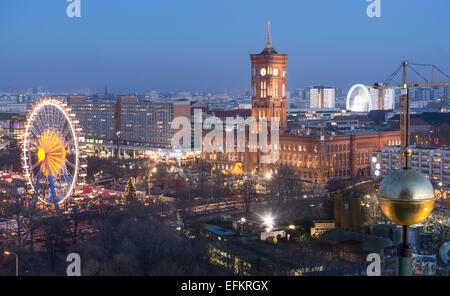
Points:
point(318, 156)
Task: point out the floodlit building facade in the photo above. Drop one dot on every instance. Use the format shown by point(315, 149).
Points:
point(129, 127)
point(433, 162)
point(322, 97)
point(382, 99)
point(318, 158)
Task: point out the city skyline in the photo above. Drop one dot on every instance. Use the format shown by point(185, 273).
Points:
point(225, 139)
point(154, 48)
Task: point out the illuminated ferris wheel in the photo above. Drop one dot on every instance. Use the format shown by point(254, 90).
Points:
point(52, 154)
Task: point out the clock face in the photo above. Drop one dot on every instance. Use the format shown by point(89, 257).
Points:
point(275, 72)
point(263, 72)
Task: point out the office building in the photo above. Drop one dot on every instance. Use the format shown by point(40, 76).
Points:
point(433, 162)
point(128, 126)
point(322, 97)
point(382, 99)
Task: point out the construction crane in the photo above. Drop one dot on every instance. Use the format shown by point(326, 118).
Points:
point(405, 86)
point(404, 101)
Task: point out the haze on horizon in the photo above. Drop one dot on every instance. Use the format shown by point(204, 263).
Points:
point(205, 45)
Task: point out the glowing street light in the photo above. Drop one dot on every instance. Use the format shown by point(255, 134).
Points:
point(268, 176)
point(268, 222)
point(17, 260)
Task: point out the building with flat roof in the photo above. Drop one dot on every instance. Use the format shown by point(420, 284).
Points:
point(320, 227)
point(12, 126)
point(382, 99)
point(128, 127)
point(97, 119)
point(322, 97)
point(433, 162)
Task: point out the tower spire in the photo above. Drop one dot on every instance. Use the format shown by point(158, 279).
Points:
point(268, 49)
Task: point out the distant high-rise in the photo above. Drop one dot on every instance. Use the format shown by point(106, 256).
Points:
point(384, 100)
point(423, 94)
point(143, 126)
point(446, 94)
point(322, 97)
point(446, 91)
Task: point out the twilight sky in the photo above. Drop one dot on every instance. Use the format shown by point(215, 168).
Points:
point(204, 45)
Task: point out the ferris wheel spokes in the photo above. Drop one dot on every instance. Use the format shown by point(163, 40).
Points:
point(53, 193)
point(36, 188)
point(51, 152)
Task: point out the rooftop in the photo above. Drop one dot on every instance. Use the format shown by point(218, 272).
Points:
point(370, 242)
point(219, 230)
point(359, 131)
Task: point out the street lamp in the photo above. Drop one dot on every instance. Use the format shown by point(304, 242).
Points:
point(118, 145)
point(17, 260)
point(268, 221)
point(212, 169)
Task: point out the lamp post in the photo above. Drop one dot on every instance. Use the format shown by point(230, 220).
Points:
point(17, 260)
point(212, 169)
point(189, 184)
point(118, 145)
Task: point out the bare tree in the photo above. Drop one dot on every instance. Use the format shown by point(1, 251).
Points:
point(286, 183)
point(248, 194)
point(15, 207)
point(54, 229)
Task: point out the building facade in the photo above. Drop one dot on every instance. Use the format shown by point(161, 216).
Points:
point(317, 156)
point(128, 127)
point(382, 99)
point(97, 119)
point(322, 97)
point(269, 78)
point(433, 162)
point(12, 127)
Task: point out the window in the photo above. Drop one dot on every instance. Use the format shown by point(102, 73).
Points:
point(263, 89)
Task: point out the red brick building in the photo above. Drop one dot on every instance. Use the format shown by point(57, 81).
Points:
point(336, 155)
point(269, 78)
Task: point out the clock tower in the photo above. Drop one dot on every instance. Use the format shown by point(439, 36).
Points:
point(269, 71)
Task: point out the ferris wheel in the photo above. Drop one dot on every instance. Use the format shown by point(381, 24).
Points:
point(52, 155)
